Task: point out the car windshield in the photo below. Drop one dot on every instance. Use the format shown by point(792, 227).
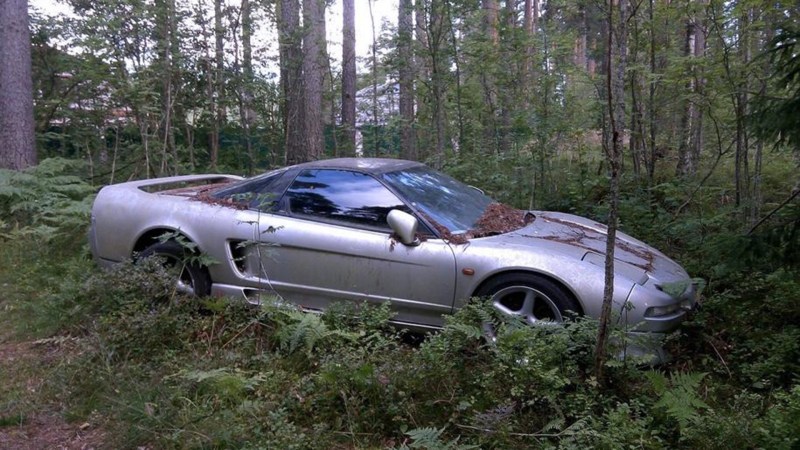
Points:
point(448, 202)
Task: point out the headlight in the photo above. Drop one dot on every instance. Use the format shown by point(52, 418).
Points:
point(657, 311)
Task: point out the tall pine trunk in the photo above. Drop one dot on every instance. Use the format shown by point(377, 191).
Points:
point(315, 61)
point(405, 25)
point(246, 107)
point(218, 104)
point(291, 62)
point(688, 148)
point(18, 150)
point(348, 77)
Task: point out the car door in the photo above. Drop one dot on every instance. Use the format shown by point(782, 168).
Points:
point(330, 241)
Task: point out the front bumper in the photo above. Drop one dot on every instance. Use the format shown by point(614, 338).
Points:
point(660, 312)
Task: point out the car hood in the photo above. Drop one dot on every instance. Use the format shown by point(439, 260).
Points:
point(580, 236)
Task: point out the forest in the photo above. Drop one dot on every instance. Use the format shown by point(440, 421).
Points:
point(677, 121)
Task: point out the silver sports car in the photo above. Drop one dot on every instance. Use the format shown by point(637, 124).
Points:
point(382, 230)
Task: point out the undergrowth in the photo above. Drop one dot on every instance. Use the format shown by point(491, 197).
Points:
point(164, 371)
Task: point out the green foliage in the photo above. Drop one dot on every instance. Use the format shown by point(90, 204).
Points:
point(431, 439)
point(305, 331)
point(775, 115)
point(678, 398)
point(45, 202)
point(755, 323)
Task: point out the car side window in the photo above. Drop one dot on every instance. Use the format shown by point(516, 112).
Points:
point(261, 193)
point(343, 196)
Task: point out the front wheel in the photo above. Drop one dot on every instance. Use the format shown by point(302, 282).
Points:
point(538, 300)
point(190, 276)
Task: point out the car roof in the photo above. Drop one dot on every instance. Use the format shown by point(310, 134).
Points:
point(367, 165)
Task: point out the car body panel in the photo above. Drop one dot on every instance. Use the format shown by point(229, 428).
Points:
point(315, 262)
point(343, 263)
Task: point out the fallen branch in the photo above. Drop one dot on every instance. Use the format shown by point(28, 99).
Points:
point(795, 193)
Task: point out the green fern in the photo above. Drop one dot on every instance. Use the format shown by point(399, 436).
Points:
point(431, 439)
point(304, 330)
point(678, 397)
point(44, 201)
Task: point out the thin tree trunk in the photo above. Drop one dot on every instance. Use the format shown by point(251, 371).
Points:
point(291, 63)
point(436, 36)
point(686, 164)
point(651, 104)
point(529, 33)
point(247, 112)
point(375, 126)
point(758, 199)
point(218, 85)
point(18, 145)
point(349, 78)
point(696, 148)
point(507, 87)
point(615, 82)
point(488, 80)
point(423, 73)
point(405, 25)
point(457, 64)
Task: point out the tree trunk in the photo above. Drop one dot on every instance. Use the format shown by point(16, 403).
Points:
point(291, 62)
point(348, 77)
point(18, 148)
point(314, 63)
point(375, 127)
point(490, 22)
point(247, 113)
point(508, 86)
point(436, 34)
point(218, 96)
point(615, 84)
point(696, 148)
point(491, 130)
point(457, 66)
point(405, 25)
point(165, 52)
point(423, 73)
point(530, 19)
point(579, 57)
point(686, 165)
point(651, 103)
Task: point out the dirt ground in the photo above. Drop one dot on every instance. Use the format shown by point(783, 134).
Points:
point(27, 420)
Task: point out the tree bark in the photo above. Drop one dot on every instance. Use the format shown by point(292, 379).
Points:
point(405, 25)
point(348, 77)
point(686, 164)
point(291, 66)
point(247, 113)
point(490, 21)
point(218, 94)
point(436, 34)
point(166, 51)
point(491, 127)
point(18, 149)
point(615, 83)
point(651, 103)
point(315, 61)
point(374, 47)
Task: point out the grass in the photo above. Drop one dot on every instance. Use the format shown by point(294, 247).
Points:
point(119, 354)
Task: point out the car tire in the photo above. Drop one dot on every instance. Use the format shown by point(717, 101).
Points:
point(193, 279)
point(539, 300)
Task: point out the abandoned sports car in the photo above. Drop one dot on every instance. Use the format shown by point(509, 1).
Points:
point(378, 230)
